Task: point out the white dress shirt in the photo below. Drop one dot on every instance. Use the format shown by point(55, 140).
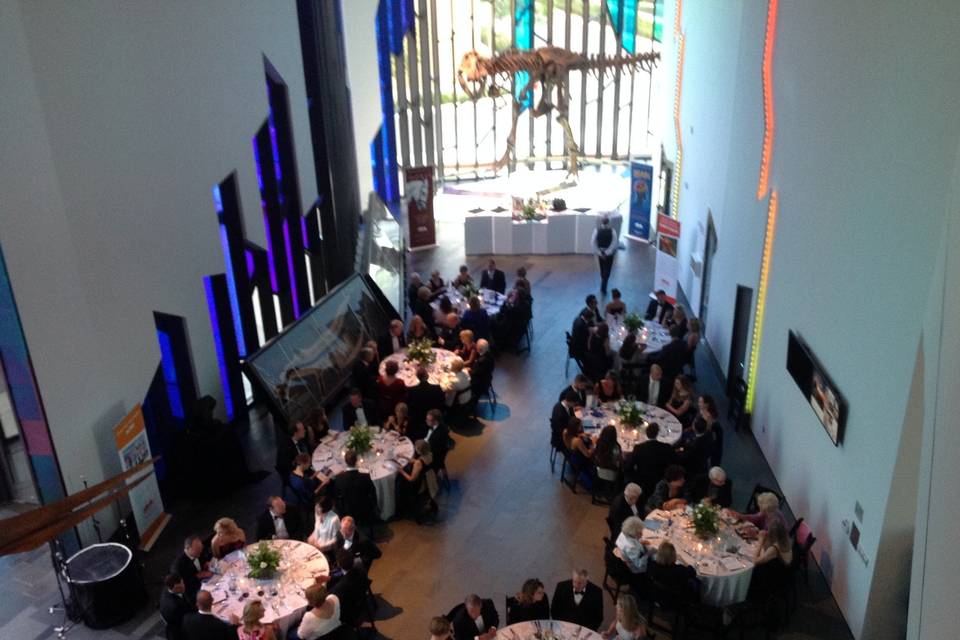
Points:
point(653, 391)
point(361, 417)
point(633, 554)
point(280, 526)
point(325, 529)
point(609, 251)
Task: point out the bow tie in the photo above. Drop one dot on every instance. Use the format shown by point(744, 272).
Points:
point(579, 593)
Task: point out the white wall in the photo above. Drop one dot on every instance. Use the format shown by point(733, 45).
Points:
point(124, 116)
point(359, 17)
point(865, 148)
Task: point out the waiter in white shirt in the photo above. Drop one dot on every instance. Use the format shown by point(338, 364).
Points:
point(605, 244)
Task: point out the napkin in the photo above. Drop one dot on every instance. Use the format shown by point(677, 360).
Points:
point(653, 525)
point(731, 564)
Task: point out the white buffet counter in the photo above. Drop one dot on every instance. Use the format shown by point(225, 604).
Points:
point(569, 231)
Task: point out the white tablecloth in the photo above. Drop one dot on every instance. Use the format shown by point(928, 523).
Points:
point(439, 370)
point(282, 597)
point(724, 566)
point(549, 629)
point(598, 417)
point(390, 452)
point(653, 334)
point(492, 300)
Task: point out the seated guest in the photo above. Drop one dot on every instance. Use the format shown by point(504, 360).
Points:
point(394, 341)
point(580, 334)
point(672, 356)
point(608, 389)
point(481, 372)
point(679, 579)
point(530, 603)
point(607, 455)
point(713, 488)
point(631, 547)
point(578, 601)
point(679, 319)
point(415, 283)
point(277, 522)
point(350, 587)
point(448, 334)
point(288, 446)
point(391, 389)
point(693, 337)
point(252, 626)
point(579, 444)
point(350, 540)
point(521, 283)
point(591, 304)
point(444, 309)
point(659, 308)
point(326, 524)
point(476, 319)
point(599, 358)
point(708, 414)
point(203, 625)
point(648, 461)
point(440, 628)
point(768, 504)
point(653, 389)
point(304, 483)
point(174, 606)
point(624, 506)
point(398, 421)
point(317, 425)
point(437, 436)
point(630, 355)
point(191, 566)
point(493, 278)
point(436, 284)
point(227, 537)
point(323, 613)
point(477, 620)
point(560, 418)
point(771, 562)
point(356, 495)
point(413, 484)
point(616, 307)
point(359, 410)
point(467, 350)
point(421, 398)
point(463, 277)
point(579, 387)
point(361, 375)
point(668, 494)
point(418, 330)
point(694, 455)
point(459, 393)
point(681, 402)
point(421, 307)
point(628, 624)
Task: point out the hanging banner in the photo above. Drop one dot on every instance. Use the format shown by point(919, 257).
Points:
point(641, 199)
point(418, 200)
point(132, 445)
point(667, 266)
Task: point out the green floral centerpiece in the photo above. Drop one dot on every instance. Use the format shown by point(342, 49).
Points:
point(531, 211)
point(469, 290)
point(360, 439)
point(706, 520)
point(421, 352)
point(263, 562)
point(633, 322)
point(630, 414)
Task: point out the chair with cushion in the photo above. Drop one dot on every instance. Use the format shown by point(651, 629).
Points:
point(606, 482)
point(757, 490)
point(803, 540)
point(668, 604)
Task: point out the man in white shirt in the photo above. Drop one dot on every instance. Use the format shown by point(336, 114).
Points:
point(605, 245)
point(393, 341)
point(653, 388)
point(477, 620)
point(276, 523)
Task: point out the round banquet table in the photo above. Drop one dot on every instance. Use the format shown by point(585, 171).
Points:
point(390, 452)
point(282, 597)
point(597, 418)
point(439, 369)
point(492, 300)
point(653, 334)
point(724, 563)
point(548, 630)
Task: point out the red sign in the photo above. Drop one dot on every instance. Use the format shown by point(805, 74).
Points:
point(668, 226)
point(418, 193)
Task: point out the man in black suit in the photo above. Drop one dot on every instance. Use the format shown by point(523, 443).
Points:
point(590, 304)
point(356, 495)
point(448, 334)
point(579, 388)
point(625, 505)
point(277, 522)
point(560, 418)
point(648, 460)
point(359, 410)
point(350, 540)
point(578, 601)
point(438, 437)
point(493, 278)
point(653, 389)
point(350, 586)
point(191, 566)
point(394, 341)
point(673, 356)
point(481, 373)
point(363, 373)
point(421, 307)
point(659, 308)
point(174, 606)
point(413, 289)
point(694, 456)
point(290, 443)
point(580, 333)
point(203, 625)
point(420, 399)
point(713, 488)
point(477, 619)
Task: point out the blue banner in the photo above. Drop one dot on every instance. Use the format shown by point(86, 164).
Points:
point(641, 200)
point(523, 34)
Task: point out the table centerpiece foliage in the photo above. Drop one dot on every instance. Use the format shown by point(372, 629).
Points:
point(559, 204)
point(706, 520)
point(421, 352)
point(531, 211)
point(360, 439)
point(633, 322)
point(263, 562)
point(630, 414)
point(469, 290)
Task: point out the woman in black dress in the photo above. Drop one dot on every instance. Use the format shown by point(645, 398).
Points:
point(530, 603)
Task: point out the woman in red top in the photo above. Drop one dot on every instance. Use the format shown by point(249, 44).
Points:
point(392, 389)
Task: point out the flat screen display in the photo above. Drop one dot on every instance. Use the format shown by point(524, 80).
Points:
point(817, 387)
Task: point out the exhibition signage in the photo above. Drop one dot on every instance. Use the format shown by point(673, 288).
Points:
point(667, 265)
point(418, 198)
point(641, 198)
point(132, 445)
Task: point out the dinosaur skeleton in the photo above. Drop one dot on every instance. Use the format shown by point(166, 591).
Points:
point(550, 66)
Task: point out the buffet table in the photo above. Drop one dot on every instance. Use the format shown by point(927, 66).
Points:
point(492, 231)
point(596, 418)
point(282, 596)
point(390, 453)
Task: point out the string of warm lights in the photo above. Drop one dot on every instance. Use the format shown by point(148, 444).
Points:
point(761, 298)
point(678, 166)
point(768, 119)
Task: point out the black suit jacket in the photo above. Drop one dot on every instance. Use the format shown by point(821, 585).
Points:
point(695, 455)
point(286, 452)
point(385, 344)
point(173, 608)
point(620, 511)
point(266, 529)
point(184, 566)
point(581, 394)
point(643, 391)
point(420, 399)
point(671, 358)
point(351, 588)
point(481, 373)
point(646, 463)
point(701, 485)
point(201, 626)
point(658, 311)
point(578, 337)
point(559, 419)
point(425, 311)
point(465, 628)
point(439, 442)
point(589, 613)
point(361, 548)
point(356, 496)
point(364, 377)
point(369, 410)
point(498, 282)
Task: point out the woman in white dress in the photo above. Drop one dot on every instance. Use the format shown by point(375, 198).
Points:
point(322, 617)
point(326, 525)
point(628, 625)
point(459, 392)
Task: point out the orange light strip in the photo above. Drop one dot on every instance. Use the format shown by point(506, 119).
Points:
point(761, 299)
point(768, 119)
point(676, 18)
point(675, 205)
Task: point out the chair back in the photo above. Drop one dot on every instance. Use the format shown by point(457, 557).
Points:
point(510, 604)
point(608, 475)
point(757, 490)
point(569, 344)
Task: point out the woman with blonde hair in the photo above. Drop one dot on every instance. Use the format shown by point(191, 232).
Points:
point(417, 330)
point(771, 562)
point(399, 420)
point(628, 624)
point(323, 614)
point(227, 537)
point(680, 403)
point(768, 504)
point(250, 626)
point(467, 349)
point(677, 578)
point(458, 395)
point(440, 628)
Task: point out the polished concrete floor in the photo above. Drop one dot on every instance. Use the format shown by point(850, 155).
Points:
point(506, 517)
